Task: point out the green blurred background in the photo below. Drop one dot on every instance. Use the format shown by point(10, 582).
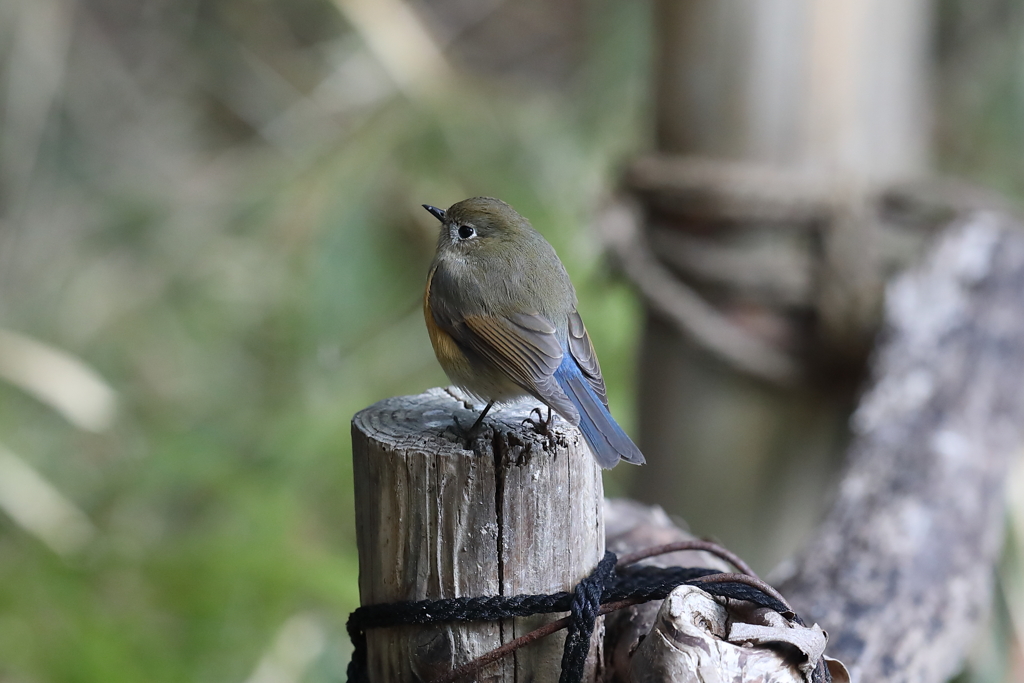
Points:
point(215, 206)
point(212, 254)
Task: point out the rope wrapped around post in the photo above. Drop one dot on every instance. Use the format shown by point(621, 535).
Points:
point(607, 588)
point(692, 261)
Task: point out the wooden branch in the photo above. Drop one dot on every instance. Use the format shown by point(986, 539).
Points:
point(515, 513)
point(900, 571)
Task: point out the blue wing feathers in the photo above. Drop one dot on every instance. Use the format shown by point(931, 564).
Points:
point(607, 441)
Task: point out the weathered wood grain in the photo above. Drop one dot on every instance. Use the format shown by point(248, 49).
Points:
point(515, 513)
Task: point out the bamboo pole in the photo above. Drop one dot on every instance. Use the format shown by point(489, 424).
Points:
point(835, 91)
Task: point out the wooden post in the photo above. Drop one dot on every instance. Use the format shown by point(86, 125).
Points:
point(518, 513)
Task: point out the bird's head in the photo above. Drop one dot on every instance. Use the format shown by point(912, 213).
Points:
point(476, 225)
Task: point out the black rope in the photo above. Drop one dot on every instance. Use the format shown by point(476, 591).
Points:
point(604, 585)
point(586, 605)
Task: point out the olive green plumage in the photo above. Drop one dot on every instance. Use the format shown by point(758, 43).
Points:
point(501, 313)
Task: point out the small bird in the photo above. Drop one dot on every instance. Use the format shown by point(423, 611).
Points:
point(501, 314)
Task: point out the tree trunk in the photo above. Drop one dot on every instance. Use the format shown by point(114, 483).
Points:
point(900, 572)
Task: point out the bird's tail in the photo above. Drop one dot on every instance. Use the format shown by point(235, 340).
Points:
point(603, 434)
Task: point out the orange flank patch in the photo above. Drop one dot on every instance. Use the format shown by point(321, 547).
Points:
point(448, 353)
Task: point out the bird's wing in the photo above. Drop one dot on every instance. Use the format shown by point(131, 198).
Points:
point(523, 346)
point(583, 353)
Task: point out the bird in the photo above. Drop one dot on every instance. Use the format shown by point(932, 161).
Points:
point(501, 315)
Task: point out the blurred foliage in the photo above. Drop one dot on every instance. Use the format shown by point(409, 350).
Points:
point(979, 87)
point(215, 204)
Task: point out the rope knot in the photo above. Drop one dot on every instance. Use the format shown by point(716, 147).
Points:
point(605, 589)
point(586, 605)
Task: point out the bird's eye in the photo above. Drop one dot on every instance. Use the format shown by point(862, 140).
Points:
point(466, 231)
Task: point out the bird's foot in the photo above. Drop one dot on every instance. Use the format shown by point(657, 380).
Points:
point(467, 435)
point(540, 425)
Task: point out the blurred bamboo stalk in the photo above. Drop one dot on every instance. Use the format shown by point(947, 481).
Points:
point(298, 643)
point(35, 77)
point(402, 43)
point(59, 380)
point(832, 90)
point(39, 508)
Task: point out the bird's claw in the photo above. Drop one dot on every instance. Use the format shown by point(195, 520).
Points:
point(469, 434)
point(466, 434)
point(540, 425)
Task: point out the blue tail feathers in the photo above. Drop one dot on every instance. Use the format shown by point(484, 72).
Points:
point(605, 437)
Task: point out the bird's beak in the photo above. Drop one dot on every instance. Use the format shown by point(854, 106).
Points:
point(435, 212)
